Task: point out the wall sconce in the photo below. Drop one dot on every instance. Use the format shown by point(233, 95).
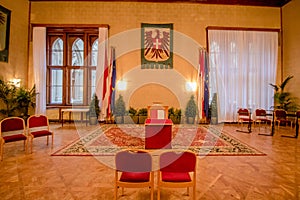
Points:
point(191, 86)
point(121, 85)
point(15, 81)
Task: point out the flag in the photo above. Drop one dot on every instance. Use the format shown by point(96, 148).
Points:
point(113, 82)
point(105, 76)
point(206, 86)
point(201, 84)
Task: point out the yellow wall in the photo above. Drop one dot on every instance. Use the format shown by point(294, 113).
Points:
point(18, 42)
point(291, 47)
point(189, 19)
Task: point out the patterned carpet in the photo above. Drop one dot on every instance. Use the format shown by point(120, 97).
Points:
point(203, 140)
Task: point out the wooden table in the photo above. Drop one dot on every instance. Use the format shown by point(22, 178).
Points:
point(75, 110)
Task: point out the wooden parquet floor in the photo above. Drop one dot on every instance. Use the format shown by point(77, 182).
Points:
point(42, 176)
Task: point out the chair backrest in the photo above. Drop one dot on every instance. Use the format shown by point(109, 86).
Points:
point(177, 161)
point(12, 125)
point(280, 114)
point(298, 114)
point(133, 161)
point(37, 121)
point(260, 113)
point(243, 112)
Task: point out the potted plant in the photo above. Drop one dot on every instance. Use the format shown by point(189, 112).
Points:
point(282, 99)
point(174, 115)
point(94, 110)
point(25, 100)
point(119, 110)
point(191, 110)
point(8, 98)
point(213, 110)
point(142, 113)
point(133, 115)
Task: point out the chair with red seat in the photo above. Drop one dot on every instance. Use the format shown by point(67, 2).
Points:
point(177, 169)
point(281, 117)
point(261, 117)
point(12, 129)
point(38, 126)
point(133, 170)
point(244, 116)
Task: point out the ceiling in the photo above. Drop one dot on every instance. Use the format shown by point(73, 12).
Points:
point(270, 3)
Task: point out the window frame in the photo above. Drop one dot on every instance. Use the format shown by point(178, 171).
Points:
point(88, 35)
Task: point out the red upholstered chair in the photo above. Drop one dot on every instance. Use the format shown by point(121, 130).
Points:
point(261, 117)
point(243, 115)
point(281, 117)
point(12, 129)
point(38, 126)
point(133, 170)
point(177, 169)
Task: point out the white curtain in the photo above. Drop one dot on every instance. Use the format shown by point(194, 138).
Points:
point(101, 65)
point(242, 65)
point(39, 67)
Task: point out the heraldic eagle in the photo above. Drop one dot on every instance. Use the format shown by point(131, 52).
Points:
point(157, 45)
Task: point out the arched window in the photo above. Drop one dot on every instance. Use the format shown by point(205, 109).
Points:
point(57, 52)
point(71, 68)
point(77, 52)
point(94, 53)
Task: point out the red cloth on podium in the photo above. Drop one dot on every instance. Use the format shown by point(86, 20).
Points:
point(158, 133)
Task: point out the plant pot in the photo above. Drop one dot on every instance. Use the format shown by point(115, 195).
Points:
point(128, 119)
point(93, 120)
point(119, 119)
point(135, 119)
point(142, 119)
point(213, 120)
point(190, 120)
point(175, 119)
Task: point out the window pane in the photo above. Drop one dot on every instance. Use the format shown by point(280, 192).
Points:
point(56, 86)
point(94, 53)
point(93, 82)
point(76, 90)
point(57, 52)
point(77, 53)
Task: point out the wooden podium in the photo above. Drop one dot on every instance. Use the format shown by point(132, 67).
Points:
point(158, 134)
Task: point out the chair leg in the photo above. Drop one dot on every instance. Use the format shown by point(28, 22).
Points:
point(47, 140)
point(188, 191)
point(52, 140)
point(1, 148)
point(31, 144)
point(151, 193)
point(116, 192)
point(194, 192)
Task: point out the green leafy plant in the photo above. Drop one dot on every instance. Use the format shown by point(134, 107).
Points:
point(174, 115)
point(143, 112)
point(8, 98)
point(94, 109)
point(282, 99)
point(191, 108)
point(132, 111)
point(119, 109)
point(25, 100)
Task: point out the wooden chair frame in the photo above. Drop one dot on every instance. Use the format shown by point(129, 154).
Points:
point(174, 159)
point(280, 116)
point(38, 126)
point(133, 162)
point(12, 129)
